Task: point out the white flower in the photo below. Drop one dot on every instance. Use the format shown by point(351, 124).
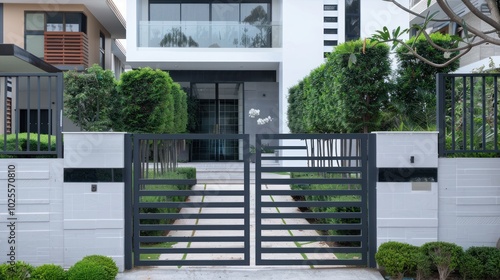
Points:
point(253, 113)
point(264, 120)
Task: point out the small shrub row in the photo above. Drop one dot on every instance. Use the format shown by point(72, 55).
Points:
point(404, 260)
point(21, 143)
point(328, 198)
point(93, 267)
point(179, 173)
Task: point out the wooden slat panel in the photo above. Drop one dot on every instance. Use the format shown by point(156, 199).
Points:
point(9, 115)
point(66, 48)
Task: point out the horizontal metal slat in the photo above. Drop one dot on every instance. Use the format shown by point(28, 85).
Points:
point(157, 216)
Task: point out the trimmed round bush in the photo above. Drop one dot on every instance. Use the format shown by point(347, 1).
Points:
point(471, 268)
point(49, 272)
point(481, 263)
point(397, 258)
point(18, 271)
point(87, 270)
point(445, 256)
point(106, 262)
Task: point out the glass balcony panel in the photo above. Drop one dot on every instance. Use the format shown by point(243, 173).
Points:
point(218, 34)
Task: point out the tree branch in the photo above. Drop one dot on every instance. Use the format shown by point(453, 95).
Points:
point(480, 15)
point(414, 13)
point(443, 4)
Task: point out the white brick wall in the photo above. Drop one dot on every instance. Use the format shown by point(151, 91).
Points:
point(39, 210)
point(94, 221)
point(469, 201)
point(61, 222)
point(405, 213)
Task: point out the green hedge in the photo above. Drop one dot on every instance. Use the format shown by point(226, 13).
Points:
point(93, 267)
point(21, 143)
point(180, 173)
point(343, 198)
point(438, 260)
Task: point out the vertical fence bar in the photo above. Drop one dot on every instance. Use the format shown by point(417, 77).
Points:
point(258, 200)
point(18, 114)
point(246, 183)
point(495, 112)
point(136, 190)
point(464, 113)
point(59, 102)
point(129, 215)
point(453, 119)
point(49, 122)
point(5, 115)
point(39, 117)
point(372, 196)
point(28, 112)
point(483, 88)
point(472, 113)
point(441, 120)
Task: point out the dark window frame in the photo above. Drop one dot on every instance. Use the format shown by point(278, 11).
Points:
point(102, 50)
point(210, 2)
point(83, 24)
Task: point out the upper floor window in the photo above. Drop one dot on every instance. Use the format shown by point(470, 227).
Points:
point(37, 23)
point(102, 50)
point(209, 10)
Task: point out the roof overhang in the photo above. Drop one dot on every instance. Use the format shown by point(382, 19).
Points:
point(105, 11)
point(14, 59)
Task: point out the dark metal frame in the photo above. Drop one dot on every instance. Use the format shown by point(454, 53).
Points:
point(366, 156)
point(447, 117)
point(133, 206)
point(38, 78)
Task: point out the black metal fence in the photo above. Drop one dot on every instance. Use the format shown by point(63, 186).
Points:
point(468, 119)
point(31, 114)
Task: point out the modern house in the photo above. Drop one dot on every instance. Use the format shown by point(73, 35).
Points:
point(47, 37)
point(234, 56)
point(478, 56)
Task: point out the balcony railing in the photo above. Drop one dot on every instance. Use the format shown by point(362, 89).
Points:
point(66, 48)
point(209, 35)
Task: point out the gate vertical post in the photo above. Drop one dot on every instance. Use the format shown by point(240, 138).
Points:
point(246, 184)
point(128, 201)
point(372, 199)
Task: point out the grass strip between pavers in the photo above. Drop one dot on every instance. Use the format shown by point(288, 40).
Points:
point(196, 223)
point(304, 256)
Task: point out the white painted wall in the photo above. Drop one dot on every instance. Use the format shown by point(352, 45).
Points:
point(58, 222)
point(469, 201)
point(463, 207)
point(302, 46)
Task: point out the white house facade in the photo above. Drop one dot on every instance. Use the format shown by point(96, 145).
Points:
point(242, 54)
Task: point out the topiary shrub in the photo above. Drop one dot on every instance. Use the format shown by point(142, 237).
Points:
point(481, 263)
point(470, 268)
point(396, 258)
point(49, 272)
point(106, 262)
point(422, 265)
point(17, 271)
point(445, 257)
point(87, 270)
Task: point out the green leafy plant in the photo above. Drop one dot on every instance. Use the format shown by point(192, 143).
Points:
point(481, 263)
point(88, 98)
point(445, 256)
point(87, 270)
point(106, 262)
point(396, 258)
point(49, 272)
point(17, 271)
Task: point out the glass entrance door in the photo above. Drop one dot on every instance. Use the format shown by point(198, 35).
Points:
point(218, 113)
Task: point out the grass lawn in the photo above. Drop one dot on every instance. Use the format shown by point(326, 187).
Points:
point(154, 257)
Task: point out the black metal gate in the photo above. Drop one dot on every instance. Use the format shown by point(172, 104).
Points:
point(318, 207)
point(314, 203)
point(162, 197)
